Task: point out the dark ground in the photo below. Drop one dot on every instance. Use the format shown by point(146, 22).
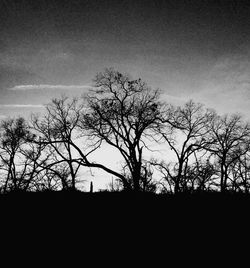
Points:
point(109, 226)
point(109, 206)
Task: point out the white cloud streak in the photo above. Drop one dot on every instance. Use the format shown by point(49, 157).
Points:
point(21, 106)
point(51, 87)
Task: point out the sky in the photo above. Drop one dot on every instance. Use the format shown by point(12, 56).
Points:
point(188, 49)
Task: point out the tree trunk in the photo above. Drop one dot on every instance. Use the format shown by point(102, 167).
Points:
point(176, 187)
point(177, 183)
point(222, 179)
point(136, 179)
point(73, 186)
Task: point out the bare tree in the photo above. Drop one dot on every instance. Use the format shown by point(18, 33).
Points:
point(17, 168)
point(240, 172)
point(53, 178)
point(123, 113)
point(184, 133)
point(228, 142)
point(58, 130)
point(200, 175)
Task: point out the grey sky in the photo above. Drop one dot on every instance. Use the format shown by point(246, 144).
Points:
point(196, 49)
point(189, 49)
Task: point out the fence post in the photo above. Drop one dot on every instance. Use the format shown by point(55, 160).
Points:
point(91, 187)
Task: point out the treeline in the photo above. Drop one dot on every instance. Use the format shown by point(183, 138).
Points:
point(203, 151)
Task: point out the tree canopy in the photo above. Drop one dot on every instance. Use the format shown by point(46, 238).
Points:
point(208, 151)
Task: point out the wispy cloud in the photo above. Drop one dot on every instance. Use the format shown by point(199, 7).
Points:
point(227, 85)
point(51, 87)
point(21, 106)
point(175, 100)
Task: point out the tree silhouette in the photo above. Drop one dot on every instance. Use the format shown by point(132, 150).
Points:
point(17, 168)
point(228, 141)
point(58, 130)
point(207, 151)
point(123, 113)
point(200, 175)
point(184, 133)
point(240, 170)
